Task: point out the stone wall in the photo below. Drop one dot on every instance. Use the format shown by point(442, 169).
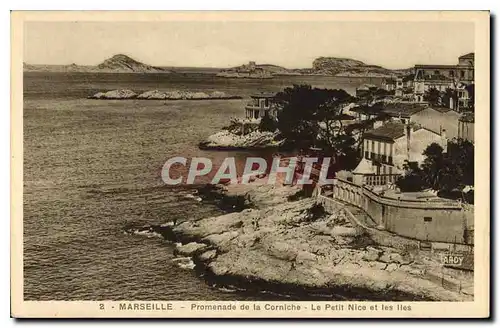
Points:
point(433, 221)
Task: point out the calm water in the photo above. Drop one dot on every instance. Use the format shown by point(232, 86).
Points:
point(92, 167)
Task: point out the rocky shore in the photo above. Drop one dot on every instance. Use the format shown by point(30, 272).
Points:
point(162, 95)
point(287, 244)
point(227, 140)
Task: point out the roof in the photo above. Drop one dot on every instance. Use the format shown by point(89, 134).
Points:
point(470, 55)
point(435, 66)
point(364, 167)
point(402, 109)
point(263, 95)
point(366, 86)
point(389, 131)
point(374, 109)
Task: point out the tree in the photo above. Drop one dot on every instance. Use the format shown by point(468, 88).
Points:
point(296, 114)
point(374, 113)
point(313, 117)
point(443, 171)
point(433, 165)
point(267, 123)
point(432, 96)
point(304, 111)
point(451, 170)
point(449, 97)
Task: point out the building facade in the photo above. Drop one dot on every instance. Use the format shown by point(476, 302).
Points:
point(389, 147)
point(260, 105)
point(442, 77)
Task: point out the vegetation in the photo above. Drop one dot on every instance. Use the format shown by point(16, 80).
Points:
point(373, 94)
point(312, 117)
point(267, 124)
point(433, 96)
point(449, 98)
point(446, 172)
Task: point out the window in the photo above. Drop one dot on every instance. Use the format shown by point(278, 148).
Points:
point(436, 72)
point(427, 219)
point(389, 160)
point(403, 121)
point(266, 103)
point(462, 73)
point(372, 155)
point(452, 73)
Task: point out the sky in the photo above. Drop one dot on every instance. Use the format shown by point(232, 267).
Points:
point(226, 44)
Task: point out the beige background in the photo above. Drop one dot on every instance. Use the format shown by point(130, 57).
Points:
point(478, 308)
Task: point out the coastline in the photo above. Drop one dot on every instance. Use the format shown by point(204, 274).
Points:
point(292, 246)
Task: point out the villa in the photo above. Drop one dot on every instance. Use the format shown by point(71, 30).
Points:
point(260, 104)
point(387, 148)
point(442, 77)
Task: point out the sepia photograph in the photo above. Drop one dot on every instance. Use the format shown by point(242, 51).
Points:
point(258, 164)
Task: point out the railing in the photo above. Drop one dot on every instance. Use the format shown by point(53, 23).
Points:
point(381, 179)
point(408, 203)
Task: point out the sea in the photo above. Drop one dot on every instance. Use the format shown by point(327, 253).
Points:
point(92, 168)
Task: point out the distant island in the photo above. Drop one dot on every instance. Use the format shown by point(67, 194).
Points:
point(252, 70)
point(117, 64)
point(323, 66)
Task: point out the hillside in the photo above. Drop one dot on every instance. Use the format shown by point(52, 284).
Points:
point(348, 67)
point(117, 64)
point(253, 70)
point(328, 66)
point(123, 63)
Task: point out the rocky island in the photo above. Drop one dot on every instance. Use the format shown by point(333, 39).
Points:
point(162, 95)
point(227, 140)
point(287, 244)
point(257, 71)
point(119, 63)
point(323, 66)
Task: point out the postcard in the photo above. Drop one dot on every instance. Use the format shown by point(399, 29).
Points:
point(241, 164)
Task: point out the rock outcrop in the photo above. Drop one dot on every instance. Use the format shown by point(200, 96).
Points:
point(117, 64)
point(162, 95)
point(177, 95)
point(295, 246)
point(115, 94)
point(253, 70)
point(124, 64)
point(252, 140)
point(348, 67)
point(330, 66)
